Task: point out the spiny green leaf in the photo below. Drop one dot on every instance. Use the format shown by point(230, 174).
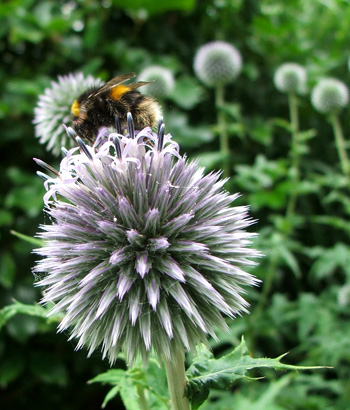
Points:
point(207, 372)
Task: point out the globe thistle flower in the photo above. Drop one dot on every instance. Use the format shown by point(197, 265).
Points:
point(217, 63)
point(344, 296)
point(145, 251)
point(290, 78)
point(330, 95)
point(162, 81)
point(54, 109)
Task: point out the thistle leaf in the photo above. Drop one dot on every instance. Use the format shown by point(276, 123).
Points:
point(206, 372)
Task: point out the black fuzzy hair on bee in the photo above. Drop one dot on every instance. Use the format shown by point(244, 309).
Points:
point(98, 107)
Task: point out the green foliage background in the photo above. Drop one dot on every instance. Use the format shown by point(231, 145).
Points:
point(307, 260)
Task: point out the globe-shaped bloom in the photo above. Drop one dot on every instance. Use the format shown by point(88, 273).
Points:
point(344, 295)
point(54, 109)
point(161, 79)
point(217, 63)
point(290, 78)
point(330, 95)
point(144, 250)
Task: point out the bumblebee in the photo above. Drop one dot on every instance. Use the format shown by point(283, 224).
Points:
point(99, 106)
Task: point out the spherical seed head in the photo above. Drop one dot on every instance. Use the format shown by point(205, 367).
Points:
point(330, 95)
point(344, 296)
point(162, 81)
point(290, 78)
point(145, 251)
point(54, 109)
point(217, 62)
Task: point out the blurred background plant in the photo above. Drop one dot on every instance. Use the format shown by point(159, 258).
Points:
point(283, 159)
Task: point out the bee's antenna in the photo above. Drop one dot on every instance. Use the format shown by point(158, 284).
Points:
point(117, 124)
point(161, 131)
point(130, 122)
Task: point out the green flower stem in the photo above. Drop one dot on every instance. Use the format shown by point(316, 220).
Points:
point(175, 372)
point(340, 143)
point(294, 121)
point(142, 398)
point(224, 146)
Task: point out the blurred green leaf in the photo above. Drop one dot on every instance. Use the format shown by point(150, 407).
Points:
point(233, 110)
point(331, 220)
point(154, 6)
point(10, 368)
point(260, 130)
point(9, 311)
point(211, 160)
point(187, 92)
point(183, 133)
point(328, 260)
point(6, 217)
point(7, 270)
point(48, 368)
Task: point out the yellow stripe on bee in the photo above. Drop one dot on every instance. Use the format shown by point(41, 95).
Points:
point(75, 109)
point(118, 91)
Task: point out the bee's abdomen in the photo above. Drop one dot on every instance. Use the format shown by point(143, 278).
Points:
point(144, 109)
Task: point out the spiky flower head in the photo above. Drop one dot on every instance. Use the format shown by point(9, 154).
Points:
point(217, 62)
point(144, 252)
point(161, 78)
point(290, 78)
point(54, 109)
point(330, 95)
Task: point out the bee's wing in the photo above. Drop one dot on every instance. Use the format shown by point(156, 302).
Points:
point(134, 86)
point(114, 82)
